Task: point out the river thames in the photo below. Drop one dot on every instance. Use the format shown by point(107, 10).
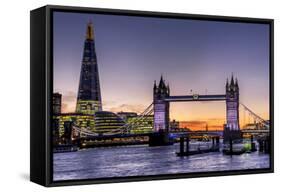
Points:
point(141, 160)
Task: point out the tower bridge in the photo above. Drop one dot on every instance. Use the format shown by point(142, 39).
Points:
point(162, 99)
point(160, 108)
point(89, 103)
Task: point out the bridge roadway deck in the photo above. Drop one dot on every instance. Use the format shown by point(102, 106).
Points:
point(196, 97)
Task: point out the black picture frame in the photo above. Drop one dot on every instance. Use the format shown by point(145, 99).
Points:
point(41, 83)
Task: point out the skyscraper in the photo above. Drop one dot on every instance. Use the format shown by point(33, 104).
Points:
point(57, 103)
point(89, 94)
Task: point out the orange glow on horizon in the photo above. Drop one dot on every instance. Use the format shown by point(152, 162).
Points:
point(195, 116)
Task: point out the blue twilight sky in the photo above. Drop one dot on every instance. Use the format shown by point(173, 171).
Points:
point(132, 52)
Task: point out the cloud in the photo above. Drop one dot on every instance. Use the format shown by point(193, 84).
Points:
point(68, 102)
point(64, 108)
point(128, 108)
point(69, 96)
point(108, 103)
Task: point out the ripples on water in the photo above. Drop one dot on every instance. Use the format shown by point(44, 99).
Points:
point(143, 160)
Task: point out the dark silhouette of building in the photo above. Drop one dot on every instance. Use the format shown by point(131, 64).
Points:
point(56, 131)
point(174, 125)
point(67, 135)
point(89, 94)
point(57, 103)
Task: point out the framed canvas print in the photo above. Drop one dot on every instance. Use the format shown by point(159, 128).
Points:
point(119, 95)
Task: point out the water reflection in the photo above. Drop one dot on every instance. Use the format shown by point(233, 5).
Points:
point(142, 160)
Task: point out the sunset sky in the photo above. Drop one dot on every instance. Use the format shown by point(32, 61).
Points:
point(132, 52)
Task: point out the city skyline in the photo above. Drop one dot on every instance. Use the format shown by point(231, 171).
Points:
point(183, 51)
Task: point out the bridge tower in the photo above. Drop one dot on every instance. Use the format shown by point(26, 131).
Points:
point(161, 107)
point(232, 127)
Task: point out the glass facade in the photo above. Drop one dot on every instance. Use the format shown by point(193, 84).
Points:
point(141, 125)
point(60, 122)
point(108, 122)
point(89, 94)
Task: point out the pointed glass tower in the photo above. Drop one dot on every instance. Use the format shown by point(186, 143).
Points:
point(89, 94)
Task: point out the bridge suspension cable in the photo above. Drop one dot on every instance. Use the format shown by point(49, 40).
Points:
point(136, 122)
point(84, 131)
point(256, 117)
